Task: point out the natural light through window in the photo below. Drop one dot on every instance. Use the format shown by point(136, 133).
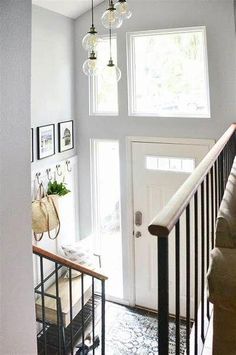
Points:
point(106, 212)
point(174, 164)
point(104, 93)
point(168, 73)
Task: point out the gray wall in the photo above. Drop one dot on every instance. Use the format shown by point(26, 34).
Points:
point(17, 321)
point(218, 17)
point(52, 74)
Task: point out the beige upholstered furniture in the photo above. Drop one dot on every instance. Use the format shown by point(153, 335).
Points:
point(222, 273)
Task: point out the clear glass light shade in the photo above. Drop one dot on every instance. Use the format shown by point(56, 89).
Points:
point(111, 19)
point(90, 67)
point(111, 74)
point(90, 41)
point(123, 10)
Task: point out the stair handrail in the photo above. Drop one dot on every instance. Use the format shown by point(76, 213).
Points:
point(167, 218)
point(67, 263)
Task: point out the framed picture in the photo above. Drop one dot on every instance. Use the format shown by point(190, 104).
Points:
point(66, 136)
point(32, 145)
point(46, 141)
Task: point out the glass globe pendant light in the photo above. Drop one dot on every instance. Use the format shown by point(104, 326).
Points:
point(123, 10)
point(111, 73)
point(90, 66)
point(111, 18)
point(90, 40)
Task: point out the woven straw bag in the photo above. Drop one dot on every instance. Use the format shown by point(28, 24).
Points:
point(45, 217)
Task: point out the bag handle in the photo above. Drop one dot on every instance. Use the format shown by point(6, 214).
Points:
point(40, 192)
point(59, 222)
point(38, 238)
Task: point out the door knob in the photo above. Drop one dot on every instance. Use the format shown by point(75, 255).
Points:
point(138, 234)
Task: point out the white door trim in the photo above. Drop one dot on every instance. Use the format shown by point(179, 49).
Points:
point(129, 282)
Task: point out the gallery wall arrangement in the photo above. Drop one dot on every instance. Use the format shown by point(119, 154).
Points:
point(46, 140)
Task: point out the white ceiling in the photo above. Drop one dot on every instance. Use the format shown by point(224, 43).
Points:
point(69, 8)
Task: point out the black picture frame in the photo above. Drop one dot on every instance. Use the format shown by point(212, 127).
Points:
point(32, 145)
point(65, 136)
point(45, 134)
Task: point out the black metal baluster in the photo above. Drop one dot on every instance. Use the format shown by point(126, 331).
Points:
point(58, 310)
point(93, 314)
point(218, 181)
point(43, 306)
point(196, 271)
point(233, 149)
point(177, 290)
point(230, 153)
point(71, 311)
point(216, 189)
point(212, 211)
point(225, 166)
point(223, 169)
point(221, 176)
point(227, 159)
point(103, 318)
point(229, 156)
point(202, 259)
point(187, 279)
point(62, 329)
point(82, 309)
point(207, 233)
point(163, 295)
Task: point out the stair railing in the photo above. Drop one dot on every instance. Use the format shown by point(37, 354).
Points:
point(59, 331)
point(191, 212)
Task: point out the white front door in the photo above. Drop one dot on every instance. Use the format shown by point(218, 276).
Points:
point(159, 169)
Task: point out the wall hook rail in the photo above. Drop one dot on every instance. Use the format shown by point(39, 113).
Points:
point(37, 177)
point(49, 174)
point(58, 168)
point(68, 166)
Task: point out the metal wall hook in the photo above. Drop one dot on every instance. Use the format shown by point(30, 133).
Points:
point(49, 175)
point(69, 169)
point(58, 168)
point(37, 177)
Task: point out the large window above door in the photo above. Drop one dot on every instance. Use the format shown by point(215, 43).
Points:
point(103, 92)
point(168, 73)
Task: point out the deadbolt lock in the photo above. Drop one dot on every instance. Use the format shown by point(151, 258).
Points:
point(138, 218)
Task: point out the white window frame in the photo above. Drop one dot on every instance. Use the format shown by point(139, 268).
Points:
point(169, 169)
point(131, 65)
point(93, 91)
point(94, 142)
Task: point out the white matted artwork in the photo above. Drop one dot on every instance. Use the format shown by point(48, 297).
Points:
point(66, 136)
point(46, 141)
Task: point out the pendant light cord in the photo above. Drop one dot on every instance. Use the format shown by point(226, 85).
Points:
point(110, 43)
point(92, 15)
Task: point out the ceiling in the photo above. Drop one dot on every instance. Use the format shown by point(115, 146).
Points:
point(69, 8)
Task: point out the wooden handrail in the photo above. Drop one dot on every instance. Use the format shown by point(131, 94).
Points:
point(166, 219)
point(65, 262)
